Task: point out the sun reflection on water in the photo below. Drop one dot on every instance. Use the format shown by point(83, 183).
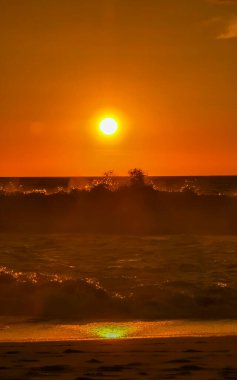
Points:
point(112, 332)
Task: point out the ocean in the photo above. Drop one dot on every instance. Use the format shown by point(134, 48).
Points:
point(56, 282)
point(73, 277)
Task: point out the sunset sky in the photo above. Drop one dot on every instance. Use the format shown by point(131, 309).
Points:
point(165, 69)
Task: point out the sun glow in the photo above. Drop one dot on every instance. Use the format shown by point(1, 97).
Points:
point(108, 126)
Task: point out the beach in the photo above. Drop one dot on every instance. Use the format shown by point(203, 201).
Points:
point(118, 307)
point(119, 350)
point(160, 358)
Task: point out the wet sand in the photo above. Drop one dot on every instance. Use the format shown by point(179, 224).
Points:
point(209, 358)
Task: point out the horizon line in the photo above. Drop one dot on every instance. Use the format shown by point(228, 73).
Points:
point(122, 176)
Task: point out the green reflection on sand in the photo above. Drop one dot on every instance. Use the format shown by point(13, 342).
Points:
point(112, 332)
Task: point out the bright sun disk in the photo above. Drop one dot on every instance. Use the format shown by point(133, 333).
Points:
point(108, 126)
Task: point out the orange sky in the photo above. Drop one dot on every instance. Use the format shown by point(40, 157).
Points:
point(166, 68)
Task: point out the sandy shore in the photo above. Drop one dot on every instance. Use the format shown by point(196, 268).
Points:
point(170, 358)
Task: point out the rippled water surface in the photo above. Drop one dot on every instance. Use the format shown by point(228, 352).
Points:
point(126, 277)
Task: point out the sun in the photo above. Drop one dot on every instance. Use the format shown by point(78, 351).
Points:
point(108, 126)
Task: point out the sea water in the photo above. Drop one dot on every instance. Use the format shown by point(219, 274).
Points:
point(73, 280)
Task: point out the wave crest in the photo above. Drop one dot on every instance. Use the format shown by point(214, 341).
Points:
point(55, 296)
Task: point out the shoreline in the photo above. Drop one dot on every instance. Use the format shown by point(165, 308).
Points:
point(24, 332)
point(10, 343)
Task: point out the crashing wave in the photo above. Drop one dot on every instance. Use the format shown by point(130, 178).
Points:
point(55, 296)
